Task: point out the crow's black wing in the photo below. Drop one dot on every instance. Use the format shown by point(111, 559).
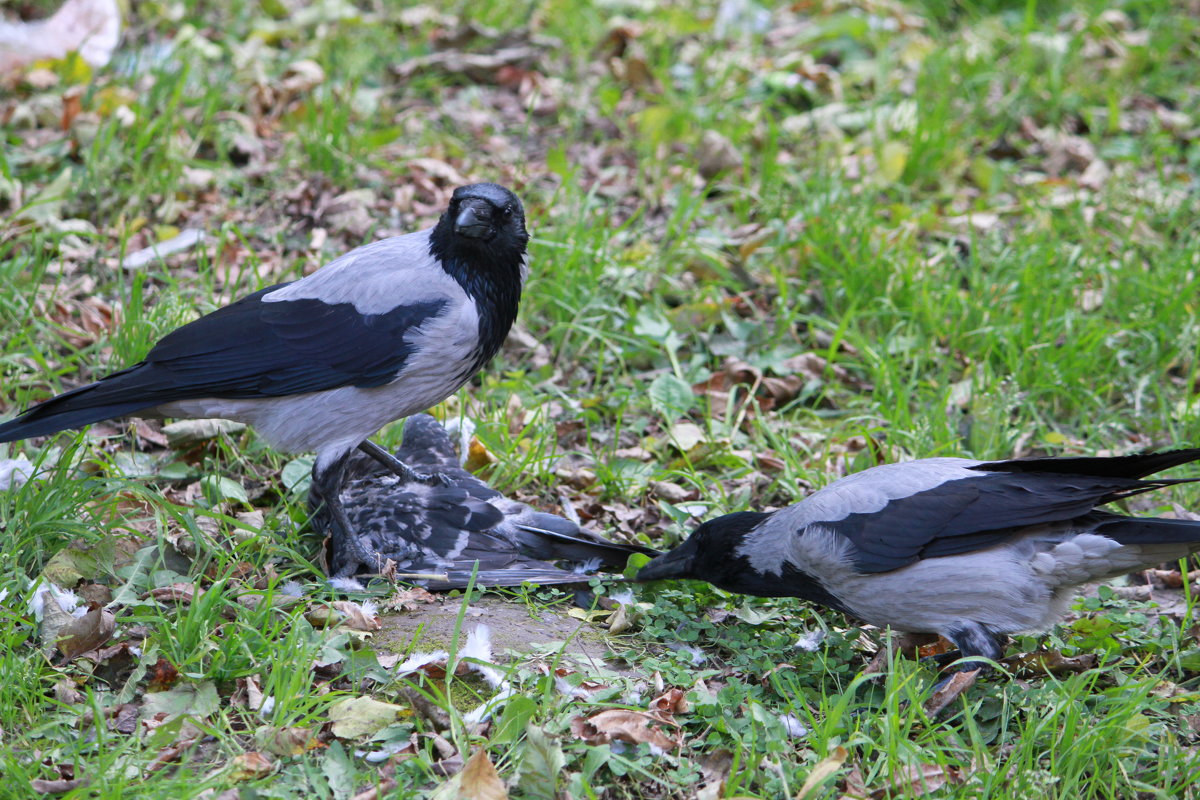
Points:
point(971, 513)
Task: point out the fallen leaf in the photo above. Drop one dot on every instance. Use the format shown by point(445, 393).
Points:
point(479, 68)
point(86, 633)
point(197, 700)
point(188, 735)
point(633, 727)
point(251, 765)
point(287, 741)
point(478, 456)
point(162, 676)
point(361, 716)
point(686, 435)
point(123, 718)
point(409, 599)
point(959, 682)
point(356, 616)
point(673, 701)
point(478, 780)
point(61, 786)
point(714, 771)
point(179, 593)
point(824, 768)
point(1050, 662)
point(66, 692)
point(716, 154)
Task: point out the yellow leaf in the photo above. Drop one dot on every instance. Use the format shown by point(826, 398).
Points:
point(824, 768)
point(164, 232)
point(893, 157)
point(478, 456)
point(361, 716)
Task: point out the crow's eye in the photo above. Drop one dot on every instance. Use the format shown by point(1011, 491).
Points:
point(506, 211)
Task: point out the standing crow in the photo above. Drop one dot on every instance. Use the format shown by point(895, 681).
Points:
point(967, 549)
point(462, 524)
point(320, 364)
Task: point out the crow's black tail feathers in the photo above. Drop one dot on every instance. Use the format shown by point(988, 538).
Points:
point(1138, 465)
point(1149, 530)
point(117, 395)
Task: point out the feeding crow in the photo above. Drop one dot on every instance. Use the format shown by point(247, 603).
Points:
point(319, 364)
point(461, 524)
point(967, 549)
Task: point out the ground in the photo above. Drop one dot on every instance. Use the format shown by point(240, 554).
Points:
point(773, 244)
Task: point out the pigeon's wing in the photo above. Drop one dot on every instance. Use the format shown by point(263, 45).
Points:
point(463, 522)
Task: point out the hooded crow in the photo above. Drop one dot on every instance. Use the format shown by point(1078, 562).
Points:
point(970, 550)
point(459, 525)
point(321, 363)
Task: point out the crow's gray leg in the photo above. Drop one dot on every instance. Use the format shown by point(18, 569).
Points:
point(348, 547)
point(404, 471)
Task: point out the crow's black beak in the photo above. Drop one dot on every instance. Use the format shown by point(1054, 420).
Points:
point(674, 564)
point(472, 224)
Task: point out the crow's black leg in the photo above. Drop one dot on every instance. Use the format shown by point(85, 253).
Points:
point(349, 551)
point(973, 639)
point(404, 471)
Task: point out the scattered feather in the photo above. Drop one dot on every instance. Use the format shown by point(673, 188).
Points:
point(809, 642)
point(346, 585)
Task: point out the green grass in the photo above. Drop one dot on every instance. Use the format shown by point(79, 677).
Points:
point(1061, 320)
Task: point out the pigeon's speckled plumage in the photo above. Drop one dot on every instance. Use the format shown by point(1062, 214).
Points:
point(447, 529)
point(967, 549)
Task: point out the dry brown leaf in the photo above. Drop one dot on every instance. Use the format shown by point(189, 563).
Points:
point(673, 701)
point(189, 734)
point(632, 727)
point(716, 154)
point(254, 692)
point(1050, 662)
point(482, 68)
point(162, 676)
point(251, 765)
point(714, 771)
point(86, 633)
point(959, 682)
point(61, 786)
point(286, 741)
point(409, 599)
point(181, 593)
point(124, 718)
point(356, 616)
point(916, 780)
point(66, 692)
point(479, 779)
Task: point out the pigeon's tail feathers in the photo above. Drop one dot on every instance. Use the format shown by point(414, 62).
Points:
point(118, 395)
point(552, 546)
point(426, 443)
point(540, 521)
point(1137, 465)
